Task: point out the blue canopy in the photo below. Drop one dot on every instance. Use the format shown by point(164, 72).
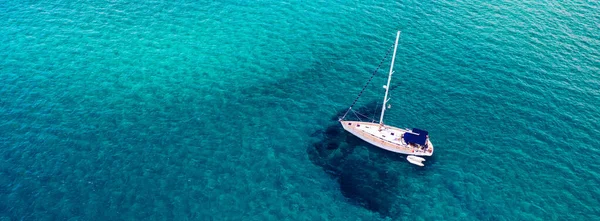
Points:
point(419, 138)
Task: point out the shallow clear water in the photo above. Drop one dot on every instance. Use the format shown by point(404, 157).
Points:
point(226, 111)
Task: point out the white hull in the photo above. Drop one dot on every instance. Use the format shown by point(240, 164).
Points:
point(389, 138)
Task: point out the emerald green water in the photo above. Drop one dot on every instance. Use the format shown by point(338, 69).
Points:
point(181, 110)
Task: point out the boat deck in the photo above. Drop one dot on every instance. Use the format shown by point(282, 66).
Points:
point(389, 138)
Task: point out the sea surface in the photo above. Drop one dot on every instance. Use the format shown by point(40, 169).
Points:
point(227, 110)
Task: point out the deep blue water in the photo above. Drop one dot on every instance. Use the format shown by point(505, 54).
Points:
point(182, 110)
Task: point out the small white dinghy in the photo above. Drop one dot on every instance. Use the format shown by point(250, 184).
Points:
point(415, 160)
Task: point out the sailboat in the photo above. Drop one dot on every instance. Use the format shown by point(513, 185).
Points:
point(413, 142)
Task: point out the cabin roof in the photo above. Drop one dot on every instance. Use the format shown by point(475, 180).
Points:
point(418, 136)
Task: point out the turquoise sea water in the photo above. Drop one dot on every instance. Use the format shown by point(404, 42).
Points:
point(183, 110)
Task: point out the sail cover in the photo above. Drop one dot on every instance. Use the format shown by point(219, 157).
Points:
point(419, 138)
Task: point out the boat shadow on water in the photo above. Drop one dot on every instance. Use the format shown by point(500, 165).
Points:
point(367, 175)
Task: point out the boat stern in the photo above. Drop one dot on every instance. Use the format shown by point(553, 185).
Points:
point(429, 149)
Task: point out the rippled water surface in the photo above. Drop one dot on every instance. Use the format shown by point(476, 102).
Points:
point(183, 110)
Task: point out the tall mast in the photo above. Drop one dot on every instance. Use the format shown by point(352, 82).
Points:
point(387, 87)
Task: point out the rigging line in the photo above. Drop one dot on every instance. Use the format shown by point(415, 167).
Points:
point(365, 116)
point(354, 112)
point(364, 87)
point(375, 112)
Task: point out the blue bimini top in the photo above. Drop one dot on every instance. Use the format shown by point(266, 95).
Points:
point(419, 138)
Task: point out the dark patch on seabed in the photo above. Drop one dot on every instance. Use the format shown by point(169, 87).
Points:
point(363, 179)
